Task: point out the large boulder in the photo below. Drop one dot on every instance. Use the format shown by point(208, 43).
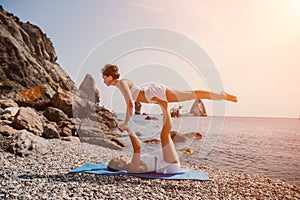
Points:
point(7, 130)
point(29, 119)
point(63, 101)
point(92, 133)
point(106, 117)
point(55, 115)
point(50, 131)
point(94, 123)
point(67, 129)
point(6, 103)
point(25, 143)
point(84, 109)
point(37, 97)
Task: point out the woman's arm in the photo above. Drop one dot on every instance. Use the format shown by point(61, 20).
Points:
point(124, 88)
point(135, 165)
point(136, 144)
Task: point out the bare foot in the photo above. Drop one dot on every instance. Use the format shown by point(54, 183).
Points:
point(229, 97)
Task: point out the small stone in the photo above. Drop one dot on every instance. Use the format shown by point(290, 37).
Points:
point(187, 151)
point(152, 141)
point(71, 139)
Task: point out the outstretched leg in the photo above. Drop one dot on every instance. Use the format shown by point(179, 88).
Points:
point(182, 95)
point(168, 147)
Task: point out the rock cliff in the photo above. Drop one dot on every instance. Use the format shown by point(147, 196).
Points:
point(38, 97)
point(27, 58)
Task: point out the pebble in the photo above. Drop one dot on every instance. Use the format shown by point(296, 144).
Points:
point(47, 177)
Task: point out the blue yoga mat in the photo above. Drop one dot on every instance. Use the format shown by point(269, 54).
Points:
point(182, 174)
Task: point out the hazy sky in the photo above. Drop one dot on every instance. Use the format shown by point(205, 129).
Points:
point(254, 45)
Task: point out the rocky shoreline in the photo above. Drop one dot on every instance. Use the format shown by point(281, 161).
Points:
point(46, 177)
point(38, 96)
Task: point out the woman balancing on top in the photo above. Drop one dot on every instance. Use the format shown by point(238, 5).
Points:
point(168, 163)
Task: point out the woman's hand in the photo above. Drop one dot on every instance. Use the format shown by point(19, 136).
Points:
point(123, 127)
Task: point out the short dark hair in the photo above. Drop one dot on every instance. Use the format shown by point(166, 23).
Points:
point(112, 165)
point(111, 169)
point(111, 70)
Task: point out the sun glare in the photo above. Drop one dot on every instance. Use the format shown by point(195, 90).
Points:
point(294, 8)
point(289, 14)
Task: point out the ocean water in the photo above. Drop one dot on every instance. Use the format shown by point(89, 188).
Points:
point(265, 146)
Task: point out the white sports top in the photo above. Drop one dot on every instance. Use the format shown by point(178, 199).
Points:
point(135, 90)
point(159, 165)
point(150, 161)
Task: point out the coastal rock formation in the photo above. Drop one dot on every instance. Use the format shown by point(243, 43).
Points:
point(89, 88)
point(87, 110)
point(27, 58)
point(37, 97)
point(137, 108)
point(198, 109)
point(175, 111)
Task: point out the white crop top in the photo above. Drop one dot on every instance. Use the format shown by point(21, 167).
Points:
point(150, 161)
point(159, 165)
point(135, 90)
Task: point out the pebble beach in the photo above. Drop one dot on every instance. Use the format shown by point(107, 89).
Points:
point(47, 177)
